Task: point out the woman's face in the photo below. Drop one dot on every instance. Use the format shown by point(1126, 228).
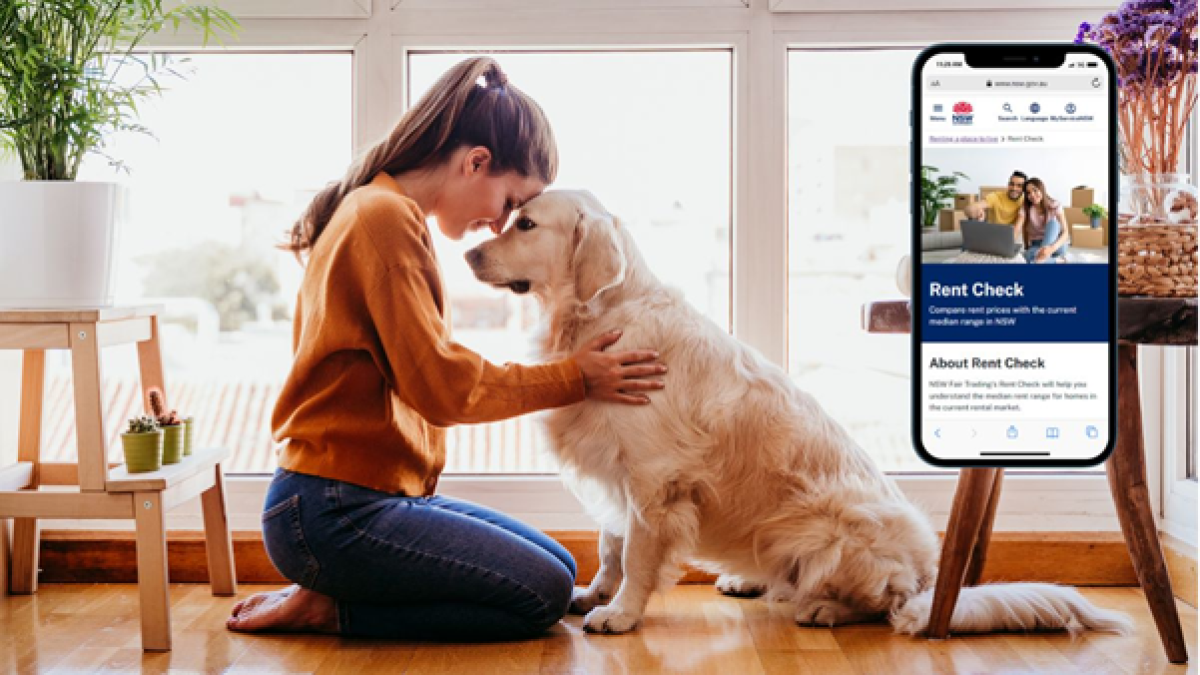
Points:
point(1033, 194)
point(474, 198)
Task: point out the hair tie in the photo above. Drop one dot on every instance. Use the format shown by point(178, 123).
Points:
point(496, 78)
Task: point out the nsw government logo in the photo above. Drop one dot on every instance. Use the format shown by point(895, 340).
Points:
point(963, 113)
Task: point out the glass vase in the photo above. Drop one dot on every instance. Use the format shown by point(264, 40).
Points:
point(1156, 236)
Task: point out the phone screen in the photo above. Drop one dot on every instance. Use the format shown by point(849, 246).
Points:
point(1014, 312)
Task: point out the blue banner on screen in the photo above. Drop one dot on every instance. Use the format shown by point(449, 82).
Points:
point(1014, 303)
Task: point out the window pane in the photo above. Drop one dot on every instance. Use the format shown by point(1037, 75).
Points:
point(242, 145)
point(848, 229)
point(649, 133)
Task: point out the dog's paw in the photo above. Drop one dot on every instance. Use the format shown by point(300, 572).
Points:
point(610, 619)
point(739, 587)
point(584, 600)
point(822, 613)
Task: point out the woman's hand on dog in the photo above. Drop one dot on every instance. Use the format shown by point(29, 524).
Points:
point(618, 376)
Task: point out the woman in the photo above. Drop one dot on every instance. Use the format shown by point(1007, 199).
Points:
point(1041, 225)
point(351, 517)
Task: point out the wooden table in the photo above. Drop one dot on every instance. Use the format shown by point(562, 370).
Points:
point(1145, 321)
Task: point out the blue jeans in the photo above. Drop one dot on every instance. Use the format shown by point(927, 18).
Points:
point(427, 568)
point(1053, 230)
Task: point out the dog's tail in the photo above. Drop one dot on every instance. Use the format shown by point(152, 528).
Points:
point(1012, 607)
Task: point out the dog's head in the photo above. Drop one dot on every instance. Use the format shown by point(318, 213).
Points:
point(562, 239)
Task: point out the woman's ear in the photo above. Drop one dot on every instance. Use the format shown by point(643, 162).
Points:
point(598, 261)
point(478, 159)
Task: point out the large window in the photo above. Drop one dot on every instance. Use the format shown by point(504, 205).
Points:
point(658, 110)
point(649, 133)
point(240, 144)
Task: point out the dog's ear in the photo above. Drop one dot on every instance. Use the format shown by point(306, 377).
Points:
point(598, 262)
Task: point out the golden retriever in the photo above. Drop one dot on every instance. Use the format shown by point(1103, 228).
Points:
point(731, 466)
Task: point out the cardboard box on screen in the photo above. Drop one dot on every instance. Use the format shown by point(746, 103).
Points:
point(950, 220)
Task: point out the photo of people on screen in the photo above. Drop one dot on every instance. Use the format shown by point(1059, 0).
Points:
point(1032, 216)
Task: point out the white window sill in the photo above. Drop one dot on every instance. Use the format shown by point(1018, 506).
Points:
point(1029, 503)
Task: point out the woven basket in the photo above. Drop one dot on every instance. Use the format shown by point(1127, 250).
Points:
point(1157, 260)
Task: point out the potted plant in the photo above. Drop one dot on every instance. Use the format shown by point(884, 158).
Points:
point(172, 426)
point(62, 92)
point(143, 445)
point(1096, 213)
point(935, 192)
point(189, 434)
point(1153, 46)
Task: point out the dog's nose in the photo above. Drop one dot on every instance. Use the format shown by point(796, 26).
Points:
point(474, 257)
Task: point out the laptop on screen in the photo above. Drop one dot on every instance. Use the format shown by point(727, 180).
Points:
point(991, 238)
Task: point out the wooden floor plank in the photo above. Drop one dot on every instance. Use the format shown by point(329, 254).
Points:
point(94, 628)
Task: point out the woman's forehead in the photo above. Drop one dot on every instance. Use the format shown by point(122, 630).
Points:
point(523, 188)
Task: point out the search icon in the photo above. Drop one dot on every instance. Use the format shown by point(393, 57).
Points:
point(1007, 108)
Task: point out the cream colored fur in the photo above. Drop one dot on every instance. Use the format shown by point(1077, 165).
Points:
point(731, 466)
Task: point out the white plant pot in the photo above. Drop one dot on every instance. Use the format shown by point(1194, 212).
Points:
point(58, 240)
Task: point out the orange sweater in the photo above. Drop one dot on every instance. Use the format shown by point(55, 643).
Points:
point(376, 376)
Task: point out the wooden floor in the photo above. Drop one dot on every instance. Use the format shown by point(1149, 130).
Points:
point(83, 628)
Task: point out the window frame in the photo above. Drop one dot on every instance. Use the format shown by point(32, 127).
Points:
point(1179, 500)
point(760, 39)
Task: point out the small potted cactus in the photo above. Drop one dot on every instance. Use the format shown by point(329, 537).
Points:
point(143, 445)
point(172, 426)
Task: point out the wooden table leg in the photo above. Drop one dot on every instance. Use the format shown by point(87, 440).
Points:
point(979, 553)
point(218, 542)
point(962, 532)
point(26, 540)
point(1127, 480)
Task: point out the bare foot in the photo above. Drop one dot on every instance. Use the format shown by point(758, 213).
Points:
point(292, 609)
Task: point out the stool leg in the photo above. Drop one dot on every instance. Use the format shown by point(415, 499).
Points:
point(152, 571)
point(979, 553)
point(26, 539)
point(1127, 480)
point(4, 559)
point(219, 544)
point(970, 505)
point(25, 548)
point(88, 383)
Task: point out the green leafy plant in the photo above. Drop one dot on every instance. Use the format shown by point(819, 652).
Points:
point(936, 191)
point(142, 424)
point(1095, 211)
point(65, 68)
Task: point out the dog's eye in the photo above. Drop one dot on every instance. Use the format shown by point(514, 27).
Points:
point(525, 224)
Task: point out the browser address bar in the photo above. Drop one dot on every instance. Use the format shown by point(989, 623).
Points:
point(1007, 84)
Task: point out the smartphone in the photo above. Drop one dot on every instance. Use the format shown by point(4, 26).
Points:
point(1014, 285)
